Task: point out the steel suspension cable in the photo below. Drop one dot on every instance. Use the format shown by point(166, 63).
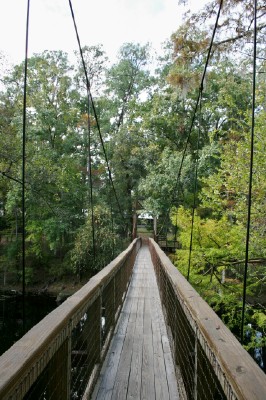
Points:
point(195, 109)
point(24, 166)
point(250, 172)
point(195, 192)
point(94, 109)
point(89, 132)
point(91, 184)
point(112, 223)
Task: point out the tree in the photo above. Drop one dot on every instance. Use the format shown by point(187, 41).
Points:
point(96, 65)
point(53, 170)
point(224, 124)
point(86, 258)
point(235, 27)
point(127, 82)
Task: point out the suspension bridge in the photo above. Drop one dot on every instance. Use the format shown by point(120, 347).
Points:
point(136, 330)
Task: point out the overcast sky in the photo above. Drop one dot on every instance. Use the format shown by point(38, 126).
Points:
point(109, 22)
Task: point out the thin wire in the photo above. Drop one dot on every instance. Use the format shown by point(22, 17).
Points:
point(106, 158)
point(89, 132)
point(250, 173)
point(24, 167)
point(91, 184)
point(112, 225)
point(181, 164)
point(195, 195)
point(195, 110)
point(94, 110)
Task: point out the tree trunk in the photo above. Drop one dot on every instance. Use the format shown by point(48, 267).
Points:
point(135, 221)
point(155, 228)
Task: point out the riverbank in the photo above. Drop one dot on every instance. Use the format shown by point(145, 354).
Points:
point(60, 289)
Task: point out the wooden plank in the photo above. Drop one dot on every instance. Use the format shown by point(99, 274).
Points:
point(103, 395)
point(134, 383)
point(121, 327)
point(148, 375)
point(106, 381)
point(161, 385)
point(147, 386)
point(166, 344)
point(121, 382)
point(163, 364)
point(170, 369)
point(163, 356)
point(106, 386)
point(147, 318)
point(171, 377)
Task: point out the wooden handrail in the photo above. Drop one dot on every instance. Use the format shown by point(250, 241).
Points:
point(240, 377)
point(24, 362)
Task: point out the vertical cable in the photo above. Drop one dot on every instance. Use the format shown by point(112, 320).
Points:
point(89, 128)
point(91, 188)
point(194, 113)
point(90, 99)
point(24, 164)
point(250, 172)
point(112, 223)
point(195, 189)
point(199, 101)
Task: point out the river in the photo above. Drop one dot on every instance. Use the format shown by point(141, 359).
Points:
point(11, 324)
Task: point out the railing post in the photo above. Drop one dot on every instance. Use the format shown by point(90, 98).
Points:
point(58, 374)
point(100, 326)
point(196, 367)
point(68, 382)
point(96, 317)
point(114, 300)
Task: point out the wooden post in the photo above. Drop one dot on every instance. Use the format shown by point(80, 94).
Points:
point(196, 368)
point(114, 301)
point(135, 221)
point(68, 363)
point(96, 321)
point(57, 382)
point(155, 228)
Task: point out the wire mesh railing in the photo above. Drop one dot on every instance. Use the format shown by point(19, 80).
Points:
point(212, 363)
point(60, 358)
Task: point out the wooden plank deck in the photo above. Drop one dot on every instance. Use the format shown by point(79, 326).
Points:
point(139, 364)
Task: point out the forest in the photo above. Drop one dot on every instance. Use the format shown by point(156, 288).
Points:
point(90, 160)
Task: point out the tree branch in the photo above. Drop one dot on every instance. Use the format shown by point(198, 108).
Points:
point(235, 38)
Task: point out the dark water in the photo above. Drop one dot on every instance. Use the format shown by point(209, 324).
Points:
point(11, 324)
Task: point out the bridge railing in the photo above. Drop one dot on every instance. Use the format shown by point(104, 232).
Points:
point(209, 360)
point(60, 358)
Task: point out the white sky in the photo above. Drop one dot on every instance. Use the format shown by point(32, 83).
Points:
point(109, 22)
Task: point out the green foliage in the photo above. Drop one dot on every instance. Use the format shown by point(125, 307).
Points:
point(86, 259)
point(216, 268)
point(225, 192)
point(220, 239)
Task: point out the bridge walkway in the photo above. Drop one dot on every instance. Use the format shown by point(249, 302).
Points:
point(139, 363)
